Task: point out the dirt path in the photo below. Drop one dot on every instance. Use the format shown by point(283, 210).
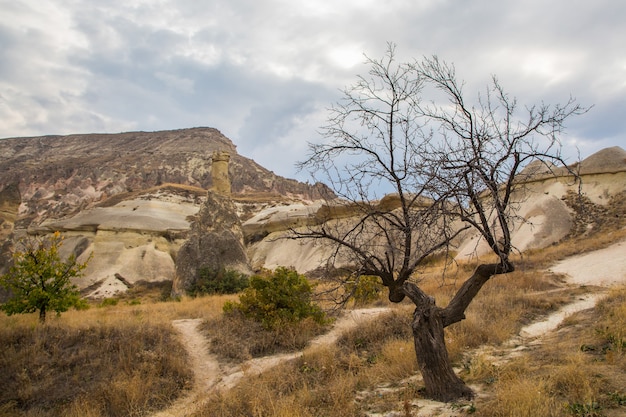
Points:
point(209, 375)
point(599, 269)
point(256, 366)
point(602, 268)
point(205, 366)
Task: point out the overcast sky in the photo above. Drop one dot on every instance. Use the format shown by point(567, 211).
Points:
point(263, 72)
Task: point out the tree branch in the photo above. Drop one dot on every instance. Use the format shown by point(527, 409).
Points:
point(455, 311)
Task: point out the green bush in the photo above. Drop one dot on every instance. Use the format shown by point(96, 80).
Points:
point(365, 289)
point(106, 302)
point(218, 281)
point(276, 298)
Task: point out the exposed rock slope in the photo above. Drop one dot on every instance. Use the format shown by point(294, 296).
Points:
point(128, 198)
point(544, 214)
point(61, 175)
point(131, 200)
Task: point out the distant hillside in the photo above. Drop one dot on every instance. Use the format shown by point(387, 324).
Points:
point(56, 176)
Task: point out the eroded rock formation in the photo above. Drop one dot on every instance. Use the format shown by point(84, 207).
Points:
point(215, 241)
point(128, 199)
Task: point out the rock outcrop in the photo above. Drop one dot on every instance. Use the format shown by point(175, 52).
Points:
point(128, 199)
point(544, 217)
point(215, 241)
point(130, 241)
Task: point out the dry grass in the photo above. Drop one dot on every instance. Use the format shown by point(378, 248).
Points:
point(324, 381)
point(144, 304)
point(499, 313)
point(579, 371)
point(314, 385)
point(375, 363)
point(504, 305)
point(122, 360)
point(522, 397)
point(236, 339)
point(123, 369)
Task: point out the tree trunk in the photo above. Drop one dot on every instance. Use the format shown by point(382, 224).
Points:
point(442, 384)
point(42, 314)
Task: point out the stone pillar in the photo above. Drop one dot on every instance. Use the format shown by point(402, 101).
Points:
point(219, 173)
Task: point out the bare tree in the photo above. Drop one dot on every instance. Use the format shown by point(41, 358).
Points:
point(448, 166)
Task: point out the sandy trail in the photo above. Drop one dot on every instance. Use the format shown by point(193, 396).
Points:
point(205, 366)
point(604, 267)
point(601, 268)
point(257, 365)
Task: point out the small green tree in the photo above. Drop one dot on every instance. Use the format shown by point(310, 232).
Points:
point(40, 280)
point(276, 298)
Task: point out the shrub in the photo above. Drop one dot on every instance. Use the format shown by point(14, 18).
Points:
point(275, 298)
point(218, 281)
point(108, 302)
point(365, 289)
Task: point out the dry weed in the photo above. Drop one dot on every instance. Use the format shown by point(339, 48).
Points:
point(123, 369)
point(503, 306)
point(236, 339)
point(397, 361)
point(521, 397)
point(577, 371)
point(573, 379)
point(121, 359)
point(315, 384)
point(324, 381)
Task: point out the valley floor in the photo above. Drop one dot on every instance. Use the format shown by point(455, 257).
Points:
point(597, 270)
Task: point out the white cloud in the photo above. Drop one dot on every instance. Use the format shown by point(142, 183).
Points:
point(263, 72)
point(172, 81)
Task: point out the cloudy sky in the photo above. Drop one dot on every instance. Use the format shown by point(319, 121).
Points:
point(264, 72)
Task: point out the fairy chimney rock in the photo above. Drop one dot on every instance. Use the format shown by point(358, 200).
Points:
point(219, 173)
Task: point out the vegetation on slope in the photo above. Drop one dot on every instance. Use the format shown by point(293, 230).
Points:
point(120, 360)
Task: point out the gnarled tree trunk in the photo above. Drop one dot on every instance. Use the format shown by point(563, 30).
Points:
point(442, 384)
point(429, 322)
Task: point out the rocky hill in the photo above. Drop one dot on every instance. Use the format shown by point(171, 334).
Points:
point(129, 198)
point(139, 202)
point(56, 176)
